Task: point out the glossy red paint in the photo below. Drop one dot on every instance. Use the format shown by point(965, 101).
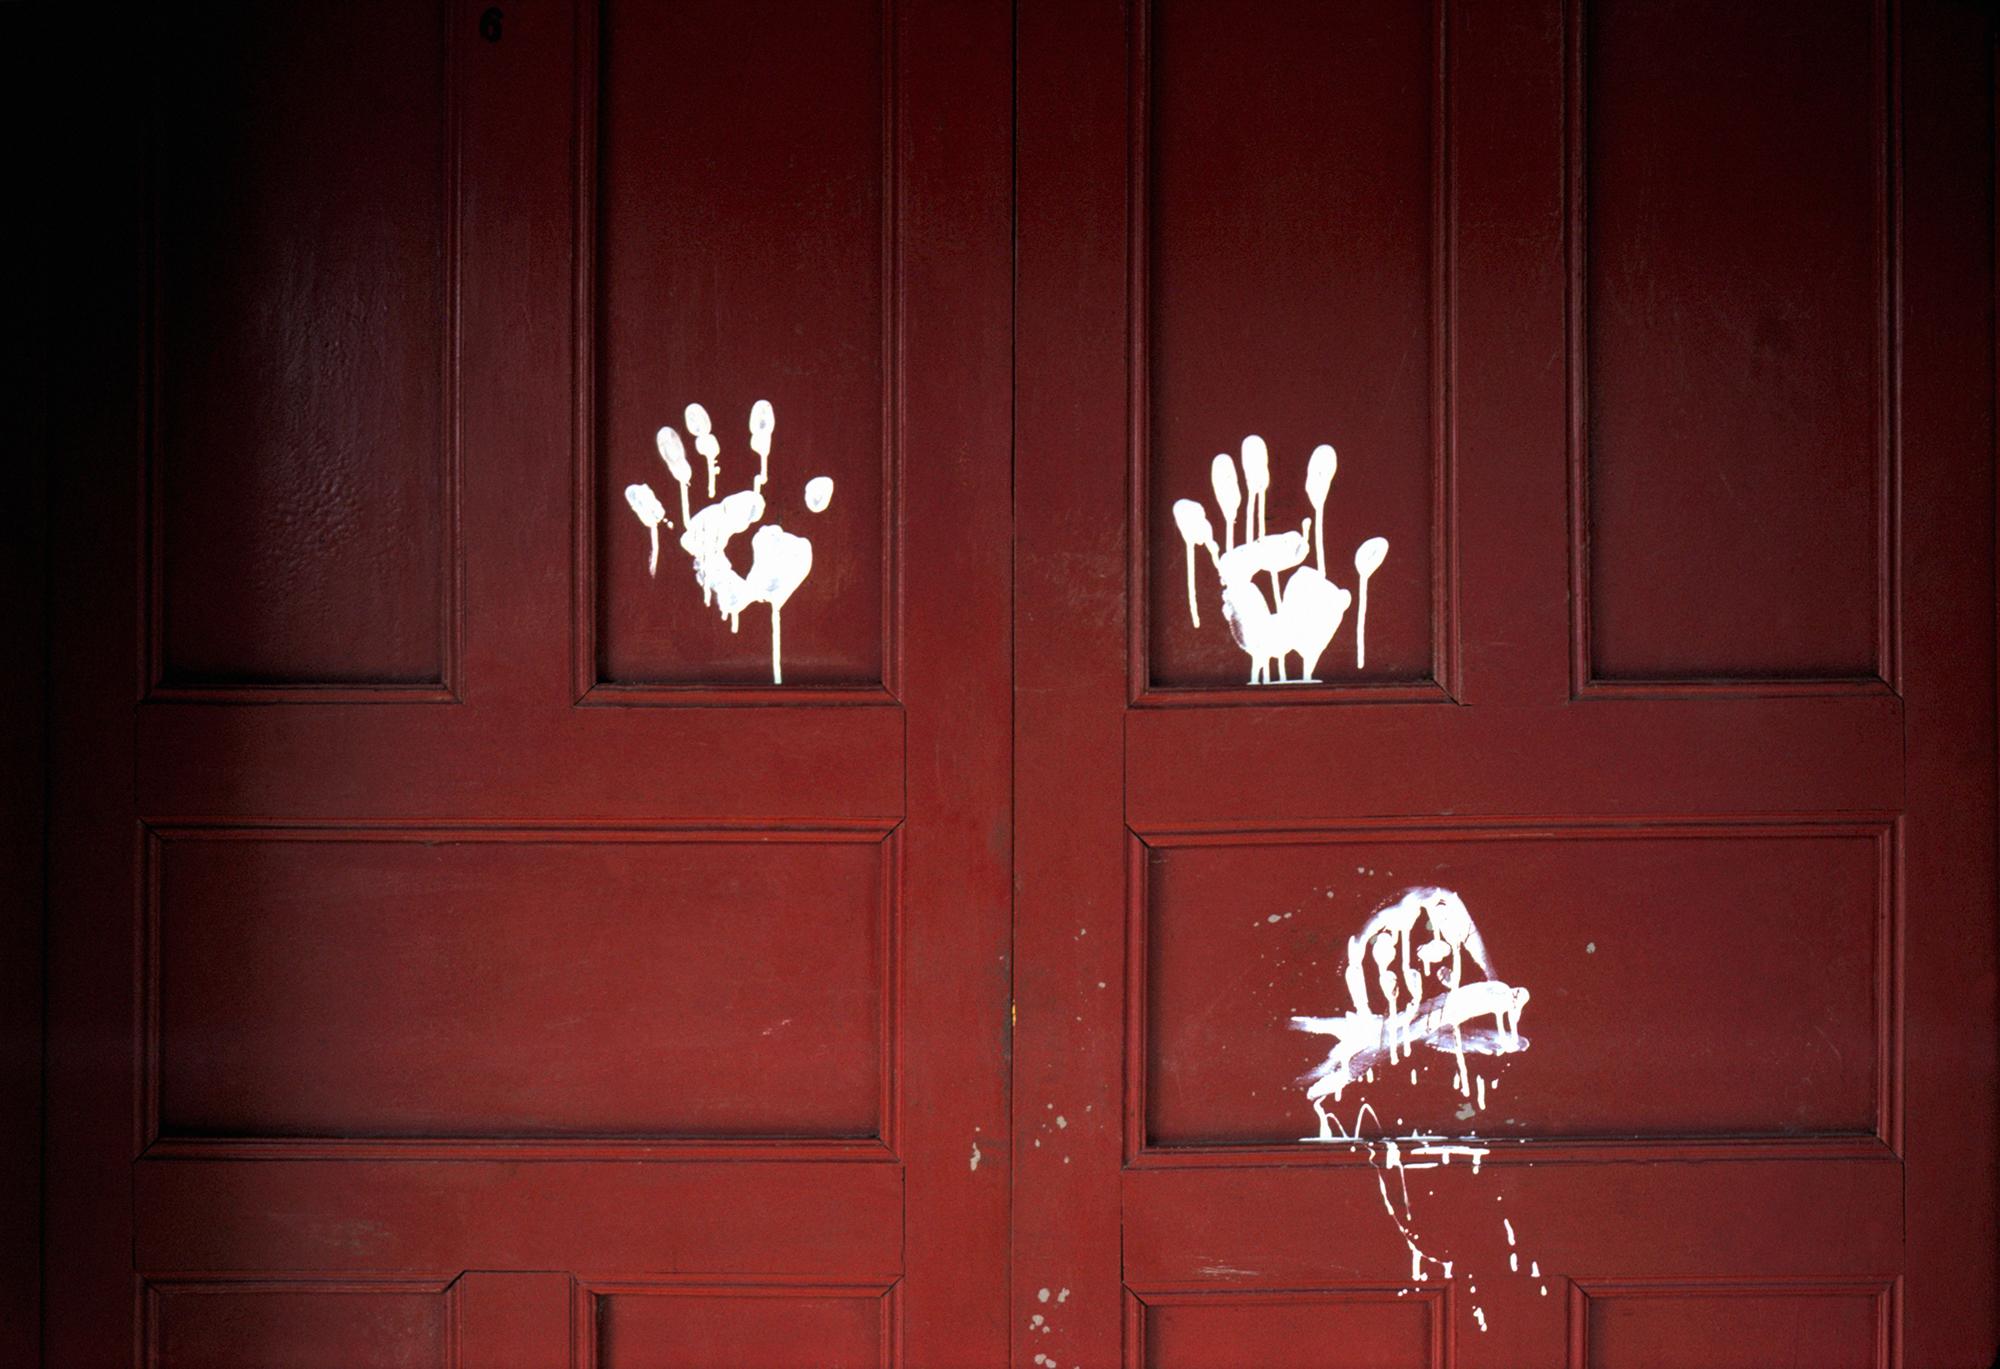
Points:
point(461, 953)
point(1630, 324)
point(463, 957)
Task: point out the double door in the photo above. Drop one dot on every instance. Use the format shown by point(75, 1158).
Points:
point(1169, 684)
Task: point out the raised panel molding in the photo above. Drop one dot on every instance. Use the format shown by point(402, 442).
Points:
point(1734, 1323)
point(1670, 593)
point(1177, 300)
point(650, 1322)
point(299, 494)
point(390, 1322)
point(1284, 951)
point(811, 320)
point(1366, 1327)
point(263, 1017)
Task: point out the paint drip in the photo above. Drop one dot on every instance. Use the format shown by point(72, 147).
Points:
point(1302, 612)
point(1418, 976)
point(780, 561)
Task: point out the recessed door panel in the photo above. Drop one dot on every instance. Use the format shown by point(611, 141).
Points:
point(1288, 225)
point(409, 985)
point(302, 321)
point(1650, 960)
point(741, 224)
point(1734, 243)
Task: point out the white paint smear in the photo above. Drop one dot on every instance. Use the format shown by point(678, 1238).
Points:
point(1418, 976)
point(780, 561)
point(1301, 612)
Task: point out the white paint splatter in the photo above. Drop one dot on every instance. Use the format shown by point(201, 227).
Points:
point(780, 561)
point(1302, 613)
point(976, 1157)
point(652, 513)
point(696, 420)
point(1410, 982)
point(1368, 558)
point(1426, 1003)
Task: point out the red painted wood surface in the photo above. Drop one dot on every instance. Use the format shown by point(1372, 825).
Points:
point(462, 953)
point(1631, 326)
point(466, 955)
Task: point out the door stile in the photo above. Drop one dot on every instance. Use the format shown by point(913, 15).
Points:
point(1944, 1126)
point(953, 202)
point(1072, 428)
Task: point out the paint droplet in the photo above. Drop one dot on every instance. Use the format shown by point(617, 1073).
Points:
point(819, 493)
point(1063, 1296)
point(1590, 948)
point(1041, 1295)
point(1061, 1120)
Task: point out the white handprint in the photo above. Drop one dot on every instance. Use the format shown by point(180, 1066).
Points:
point(779, 560)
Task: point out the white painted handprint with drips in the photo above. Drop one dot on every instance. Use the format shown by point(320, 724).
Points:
point(1303, 612)
point(1418, 974)
point(780, 561)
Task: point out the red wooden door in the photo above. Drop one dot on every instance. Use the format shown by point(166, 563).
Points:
point(1626, 909)
point(466, 951)
point(1523, 896)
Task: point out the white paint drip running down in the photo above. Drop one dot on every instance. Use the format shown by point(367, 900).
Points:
point(779, 561)
point(1301, 616)
point(1421, 947)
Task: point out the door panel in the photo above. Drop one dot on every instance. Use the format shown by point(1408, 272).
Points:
point(1732, 198)
point(1259, 313)
point(1771, 1021)
point(541, 982)
point(321, 1323)
point(301, 420)
point(1590, 999)
point(422, 985)
point(739, 248)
